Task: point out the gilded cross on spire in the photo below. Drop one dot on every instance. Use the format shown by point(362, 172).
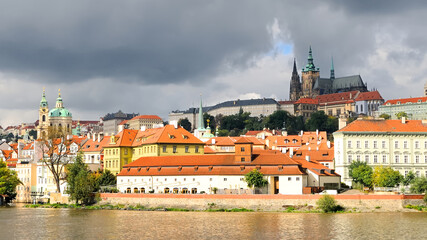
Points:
point(59, 92)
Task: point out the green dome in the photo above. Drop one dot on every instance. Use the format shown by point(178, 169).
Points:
point(59, 112)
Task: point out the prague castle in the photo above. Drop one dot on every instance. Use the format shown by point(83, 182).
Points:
point(312, 85)
point(58, 117)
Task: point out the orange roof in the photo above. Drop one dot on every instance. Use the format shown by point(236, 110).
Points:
point(269, 163)
point(285, 141)
point(254, 133)
point(317, 152)
point(375, 125)
point(307, 101)
point(406, 100)
point(230, 141)
point(124, 138)
point(337, 98)
point(14, 146)
point(316, 168)
point(374, 95)
point(7, 153)
point(123, 122)
point(166, 134)
point(242, 140)
point(308, 137)
point(147, 117)
point(95, 146)
point(208, 150)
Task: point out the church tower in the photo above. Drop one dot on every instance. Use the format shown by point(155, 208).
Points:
point(310, 74)
point(295, 88)
point(43, 126)
point(332, 69)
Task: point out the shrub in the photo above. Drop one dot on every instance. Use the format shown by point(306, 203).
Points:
point(425, 198)
point(327, 204)
point(419, 185)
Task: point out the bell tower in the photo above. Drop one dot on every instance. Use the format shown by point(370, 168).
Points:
point(309, 77)
point(295, 88)
point(43, 126)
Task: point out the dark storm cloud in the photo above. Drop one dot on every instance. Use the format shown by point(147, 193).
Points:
point(147, 41)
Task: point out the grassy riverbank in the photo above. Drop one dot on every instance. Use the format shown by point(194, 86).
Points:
point(134, 208)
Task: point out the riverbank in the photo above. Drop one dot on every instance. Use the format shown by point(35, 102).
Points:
point(263, 203)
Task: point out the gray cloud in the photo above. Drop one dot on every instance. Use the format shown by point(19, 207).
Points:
point(157, 56)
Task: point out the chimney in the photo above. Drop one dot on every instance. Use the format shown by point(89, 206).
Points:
point(283, 150)
point(94, 137)
point(317, 148)
point(317, 132)
point(403, 120)
point(88, 135)
point(99, 137)
point(213, 141)
point(302, 132)
point(328, 143)
point(309, 148)
point(143, 128)
point(291, 152)
point(307, 158)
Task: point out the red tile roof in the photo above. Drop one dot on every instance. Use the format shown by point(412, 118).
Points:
point(337, 98)
point(147, 117)
point(123, 122)
point(375, 125)
point(124, 138)
point(166, 134)
point(406, 100)
point(374, 95)
point(286, 102)
point(95, 146)
point(307, 101)
point(242, 140)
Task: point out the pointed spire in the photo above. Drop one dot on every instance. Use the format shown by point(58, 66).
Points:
point(332, 68)
point(201, 122)
point(310, 65)
point(43, 102)
point(295, 67)
point(59, 103)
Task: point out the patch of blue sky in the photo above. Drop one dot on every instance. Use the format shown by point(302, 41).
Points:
point(281, 48)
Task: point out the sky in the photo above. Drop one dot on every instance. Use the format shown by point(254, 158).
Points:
point(153, 57)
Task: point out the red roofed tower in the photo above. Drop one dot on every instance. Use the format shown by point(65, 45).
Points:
point(243, 150)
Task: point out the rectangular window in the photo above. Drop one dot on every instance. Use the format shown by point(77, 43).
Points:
point(425, 144)
point(242, 159)
point(174, 149)
point(225, 179)
point(350, 158)
point(358, 144)
point(367, 158)
point(242, 149)
point(366, 144)
point(196, 149)
point(348, 144)
point(375, 145)
point(417, 173)
point(405, 144)
point(187, 149)
point(417, 159)
point(210, 179)
point(406, 158)
point(396, 159)
point(289, 179)
point(297, 178)
point(384, 158)
point(164, 149)
point(396, 144)
point(358, 157)
point(375, 159)
point(383, 144)
point(417, 144)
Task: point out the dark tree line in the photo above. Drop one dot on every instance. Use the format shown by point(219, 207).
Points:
point(240, 123)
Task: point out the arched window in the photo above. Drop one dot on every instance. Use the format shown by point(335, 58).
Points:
point(166, 190)
point(128, 190)
point(44, 118)
point(142, 190)
point(135, 190)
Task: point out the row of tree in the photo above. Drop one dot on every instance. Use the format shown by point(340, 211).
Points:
point(382, 176)
point(240, 123)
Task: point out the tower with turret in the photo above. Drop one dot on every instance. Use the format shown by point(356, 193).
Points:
point(310, 74)
point(43, 117)
point(295, 88)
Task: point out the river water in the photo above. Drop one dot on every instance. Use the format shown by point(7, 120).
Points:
point(23, 223)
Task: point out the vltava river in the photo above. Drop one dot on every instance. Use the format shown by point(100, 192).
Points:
point(22, 223)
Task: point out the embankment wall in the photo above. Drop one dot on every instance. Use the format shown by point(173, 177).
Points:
point(260, 202)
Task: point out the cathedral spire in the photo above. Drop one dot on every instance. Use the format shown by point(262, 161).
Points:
point(332, 68)
point(201, 122)
point(310, 65)
point(295, 67)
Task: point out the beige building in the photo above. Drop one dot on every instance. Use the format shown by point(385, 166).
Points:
point(400, 144)
point(336, 104)
point(146, 121)
point(27, 174)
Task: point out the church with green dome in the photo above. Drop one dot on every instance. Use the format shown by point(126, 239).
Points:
point(58, 117)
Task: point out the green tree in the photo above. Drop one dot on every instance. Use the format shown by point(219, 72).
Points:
point(385, 116)
point(33, 133)
point(81, 183)
point(386, 177)
point(409, 178)
point(280, 119)
point(362, 174)
point(328, 204)
point(399, 115)
point(419, 185)
point(185, 123)
point(107, 178)
point(319, 120)
point(354, 165)
point(255, 179)
point(8, 181)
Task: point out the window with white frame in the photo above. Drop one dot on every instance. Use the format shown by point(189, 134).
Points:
point(358, 157)
point(366, 144)
point(383, 145)
point(405, 144)
point(396, 144)
point(406, 158)
point(358, 144)
point(375, 158)
point(396, 158)
point(425, 144)
point(384, 158)
point(375, 144)
point(367, 158)
point(350, 158)
point(417, 173)
point(417, 158)
point(348, 144)
point(417, 144)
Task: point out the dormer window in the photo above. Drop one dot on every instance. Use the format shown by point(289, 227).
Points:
point(398, 102)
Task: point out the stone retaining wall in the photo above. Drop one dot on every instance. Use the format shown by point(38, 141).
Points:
point(364, 203)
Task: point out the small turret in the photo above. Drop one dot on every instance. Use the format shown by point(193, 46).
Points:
point(332, 69)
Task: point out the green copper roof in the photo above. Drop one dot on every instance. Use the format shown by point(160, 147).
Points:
point(59, 112)
point(310, 65)
point(43, 102)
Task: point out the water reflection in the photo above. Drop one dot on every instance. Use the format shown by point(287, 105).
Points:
point(21, 223)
